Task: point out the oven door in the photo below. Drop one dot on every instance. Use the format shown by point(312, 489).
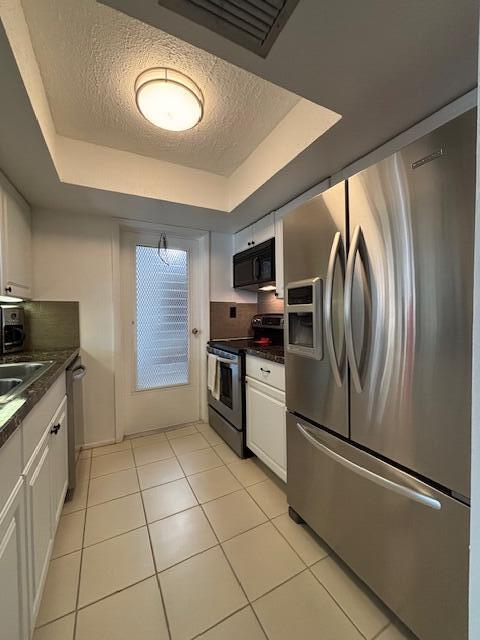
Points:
point(230, 403)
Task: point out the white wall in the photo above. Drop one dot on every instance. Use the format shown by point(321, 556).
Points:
point(221, 271)
point(72, 260)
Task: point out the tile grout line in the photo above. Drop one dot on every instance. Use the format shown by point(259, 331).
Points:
point(243, 487)
point(389, 624)
point(234, 573)
point(230, 615)
point(167, 622)
point(337, 603)
point(250, 602)
point(81, 553)
point(232, 570)
point(309, 568)
point(117, 535)
point(114, 593)
point(98, 504)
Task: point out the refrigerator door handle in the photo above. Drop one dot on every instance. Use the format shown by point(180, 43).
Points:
point(349, 343)
point(334, 253)
point(411, 494)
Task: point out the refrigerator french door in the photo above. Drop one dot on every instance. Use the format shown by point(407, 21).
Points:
point(408, 302)
point(314, 252)
point(391, 495)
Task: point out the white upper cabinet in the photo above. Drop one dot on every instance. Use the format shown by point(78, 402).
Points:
point(256, 233)
point(16, 244)
point(243, 240)
point(264, 229)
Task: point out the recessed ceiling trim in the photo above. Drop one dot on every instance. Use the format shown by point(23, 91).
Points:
point(82, 163)
point(253, 24)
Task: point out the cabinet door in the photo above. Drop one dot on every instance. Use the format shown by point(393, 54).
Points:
point(279, 282)
point(243, 239)
point(59, 444)
point(266, 425)
point(39, 517)
point(264, 229)
point(16, 248)
point(14, 620)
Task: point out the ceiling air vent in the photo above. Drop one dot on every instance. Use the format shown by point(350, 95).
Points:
point(253, 24)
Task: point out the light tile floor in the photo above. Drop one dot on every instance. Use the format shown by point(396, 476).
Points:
point(171, 536)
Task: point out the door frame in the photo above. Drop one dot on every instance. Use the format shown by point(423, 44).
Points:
point(202, 238)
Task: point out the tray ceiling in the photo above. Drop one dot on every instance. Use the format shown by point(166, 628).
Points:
point(89, 56)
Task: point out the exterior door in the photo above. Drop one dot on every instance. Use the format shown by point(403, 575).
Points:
point(161, 345)
point(314, 253)
point(409, 273)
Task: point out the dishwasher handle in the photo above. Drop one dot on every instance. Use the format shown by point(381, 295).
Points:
point(79, 372)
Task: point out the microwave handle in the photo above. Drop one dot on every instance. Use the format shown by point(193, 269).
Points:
point(256, 268)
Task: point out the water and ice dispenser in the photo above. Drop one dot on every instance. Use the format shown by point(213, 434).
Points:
point(304, 318)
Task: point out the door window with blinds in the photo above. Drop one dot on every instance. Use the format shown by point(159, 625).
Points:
point(162, 318)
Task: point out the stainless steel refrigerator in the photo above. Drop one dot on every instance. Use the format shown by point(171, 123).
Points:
point(378, 321)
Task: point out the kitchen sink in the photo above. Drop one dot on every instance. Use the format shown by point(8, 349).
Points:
point(16, 377)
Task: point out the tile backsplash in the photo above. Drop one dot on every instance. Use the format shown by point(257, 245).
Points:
point(269, 303)
point(223, 326)
point(52, 325)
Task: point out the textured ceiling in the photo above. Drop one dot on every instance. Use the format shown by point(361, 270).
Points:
point(89, 57)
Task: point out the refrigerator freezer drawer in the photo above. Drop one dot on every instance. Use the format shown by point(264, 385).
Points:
point(406, 540)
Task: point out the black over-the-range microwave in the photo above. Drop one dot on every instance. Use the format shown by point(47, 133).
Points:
point(255, 267)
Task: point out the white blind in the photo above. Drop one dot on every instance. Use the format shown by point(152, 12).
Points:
point(161, 317)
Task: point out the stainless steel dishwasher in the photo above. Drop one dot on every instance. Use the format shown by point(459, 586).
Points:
point(75, 373)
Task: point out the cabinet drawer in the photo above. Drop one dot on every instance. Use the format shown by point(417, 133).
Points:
point(266, 371)
point(411, 555)
point(40, 416)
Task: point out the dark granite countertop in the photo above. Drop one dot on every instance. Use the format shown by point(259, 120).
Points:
point(274, 354)
point(247, 345)
point(12, 413)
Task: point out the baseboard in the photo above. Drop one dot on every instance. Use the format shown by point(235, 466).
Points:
point(152, 432)
point(100, 443)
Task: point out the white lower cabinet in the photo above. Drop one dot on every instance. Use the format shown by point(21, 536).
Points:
point(266, 418)
point(14, 609)
point(59, 441)
point(39, 518)
point(29, 516)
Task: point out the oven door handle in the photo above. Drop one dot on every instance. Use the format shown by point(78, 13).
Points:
point(225, 361)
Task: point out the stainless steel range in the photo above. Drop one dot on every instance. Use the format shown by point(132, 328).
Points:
point(226, 411)
point(226, 414)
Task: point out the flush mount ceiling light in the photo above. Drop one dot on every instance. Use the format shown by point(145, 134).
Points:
point(169, 99)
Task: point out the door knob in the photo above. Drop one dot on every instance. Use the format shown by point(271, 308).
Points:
point(195, 332)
